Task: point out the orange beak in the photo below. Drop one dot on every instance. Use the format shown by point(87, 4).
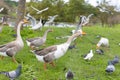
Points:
point(25, 21)
point(83, 33)
point(97, 46)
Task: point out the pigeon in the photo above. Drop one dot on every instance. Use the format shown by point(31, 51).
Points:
point(89, 55)
point(115, 60)
point(119, 44)
point(99, 51)
point(110, 68)
point(72, 46)
point(69, 75)
point(51, 19)
point(40, 11)
point(1, 9)
point(13, 74)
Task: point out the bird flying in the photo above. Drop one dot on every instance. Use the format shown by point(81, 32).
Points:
point(39, 11)
point(1, 9)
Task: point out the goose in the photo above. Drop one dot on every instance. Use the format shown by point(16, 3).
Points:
point(1, 26)
point(47, 55)
point(38, 41)
point(103, 42)
point(11, 48)
point(39, 11)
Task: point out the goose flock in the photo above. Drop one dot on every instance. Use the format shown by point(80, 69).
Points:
point(50, 53)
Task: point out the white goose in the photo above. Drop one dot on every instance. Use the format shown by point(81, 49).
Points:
point(11, 48)
point(47, 55)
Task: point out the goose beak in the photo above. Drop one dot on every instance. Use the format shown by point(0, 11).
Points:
point(97, 46)
point(25, 21)
point(83, 33)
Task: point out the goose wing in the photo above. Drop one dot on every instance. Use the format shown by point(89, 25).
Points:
point(33, 39)
point(5, 47)
point(47, 50)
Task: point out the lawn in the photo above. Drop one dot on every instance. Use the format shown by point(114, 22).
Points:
point(83, 70)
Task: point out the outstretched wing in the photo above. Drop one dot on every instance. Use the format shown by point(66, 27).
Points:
point(35, 8)
point(40, 11)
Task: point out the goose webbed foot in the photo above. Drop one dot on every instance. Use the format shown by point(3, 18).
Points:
point(14, 60)
point(1, 57)
point(52, 63)
point(45, 64)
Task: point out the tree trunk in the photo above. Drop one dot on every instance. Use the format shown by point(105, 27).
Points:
point(20, 12)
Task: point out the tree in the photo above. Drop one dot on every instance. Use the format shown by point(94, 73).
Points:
point(20, 11)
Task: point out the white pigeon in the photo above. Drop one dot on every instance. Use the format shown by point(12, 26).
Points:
point(37, 26)
point(32, 20)
point(87, 19)
point(51, 19)
point(103, 42)
point(89, 55)
point(40, 11)
point(1, 9)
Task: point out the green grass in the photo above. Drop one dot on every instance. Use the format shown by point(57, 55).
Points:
point(83, 70)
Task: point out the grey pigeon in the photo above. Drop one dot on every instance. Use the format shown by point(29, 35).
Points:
point(99, 51)
point(69, 75)
point(110, 68)
point(13, 74)
point(115, 60)
point(72, 46)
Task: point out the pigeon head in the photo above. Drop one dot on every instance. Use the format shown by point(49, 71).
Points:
point(69, 74)
point(19, 66)
point(91, 51)
point(110, 63)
